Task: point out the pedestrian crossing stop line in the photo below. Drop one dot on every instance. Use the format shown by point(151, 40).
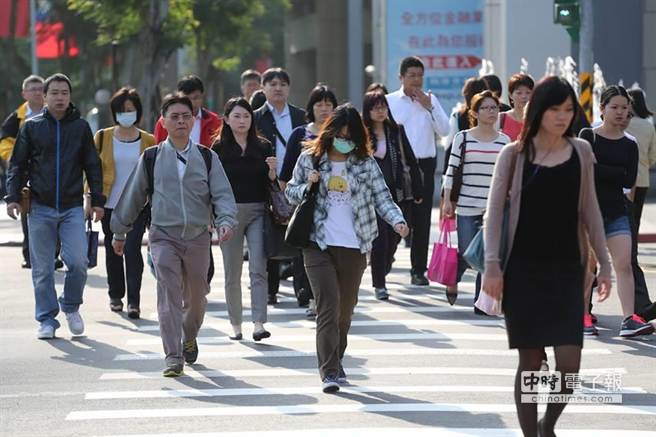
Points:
point(315, 390)
point(356, 323)
point(396, 432)
point(280, 372)
point(606, 409)
point(417, 350)
point(472, 336)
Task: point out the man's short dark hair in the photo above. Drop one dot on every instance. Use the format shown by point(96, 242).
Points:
point(190, 83)
point(250, 75)
point(172, 99)
point(120, 97)
point(32, 78)
point(57, 77)
point(409, 62)
point(275, 73)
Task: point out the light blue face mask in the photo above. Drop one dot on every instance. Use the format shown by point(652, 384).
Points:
point(343, 146)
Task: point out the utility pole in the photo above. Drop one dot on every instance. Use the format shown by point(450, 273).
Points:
point(35, 62)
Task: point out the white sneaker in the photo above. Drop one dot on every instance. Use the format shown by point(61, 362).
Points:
point(75, 323)
point(45, 332)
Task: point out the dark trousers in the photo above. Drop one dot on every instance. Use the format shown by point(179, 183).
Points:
point(638, 203)
point(302, 288)
point(335, 275)
point(642, 300)
point(421, 218)
point(382, 252)
point(118, 274)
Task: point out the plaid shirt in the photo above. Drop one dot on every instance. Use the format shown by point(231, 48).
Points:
point(369, 195)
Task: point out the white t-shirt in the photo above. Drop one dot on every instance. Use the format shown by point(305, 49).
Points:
point(126, 156)
point(340, 227)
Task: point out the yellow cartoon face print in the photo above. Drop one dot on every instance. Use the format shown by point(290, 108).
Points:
point(337, 183)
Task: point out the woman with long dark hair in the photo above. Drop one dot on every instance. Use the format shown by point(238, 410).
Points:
point(250, 166)
point(552, 217)
point(615, 170)
point(475, 153)
point(351, 190)
point(396, 160)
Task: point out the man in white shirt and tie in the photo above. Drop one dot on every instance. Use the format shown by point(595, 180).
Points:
point(424, 120)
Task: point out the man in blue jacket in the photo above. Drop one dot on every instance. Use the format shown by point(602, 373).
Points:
point(54, 150)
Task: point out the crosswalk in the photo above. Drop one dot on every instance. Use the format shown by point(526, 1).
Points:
point(416, 366)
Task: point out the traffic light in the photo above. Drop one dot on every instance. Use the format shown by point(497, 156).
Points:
point(566, 13)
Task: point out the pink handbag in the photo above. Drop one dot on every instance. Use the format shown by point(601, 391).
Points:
point(443, 266)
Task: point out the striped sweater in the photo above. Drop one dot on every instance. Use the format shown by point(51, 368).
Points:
point(479, 160)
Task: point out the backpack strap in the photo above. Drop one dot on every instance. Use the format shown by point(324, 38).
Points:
point(150, 155)
point(102, 138)
point(207, 157)
point(502, 120)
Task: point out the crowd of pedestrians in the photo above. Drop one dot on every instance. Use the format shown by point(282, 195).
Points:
point(554, 209)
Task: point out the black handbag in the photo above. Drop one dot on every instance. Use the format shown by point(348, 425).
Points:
point(280, 208)
point(301, 224)
point(92, 245)
point(456, 185)
point(274, 240)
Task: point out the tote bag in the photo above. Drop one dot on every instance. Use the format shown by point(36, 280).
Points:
point(443, 266)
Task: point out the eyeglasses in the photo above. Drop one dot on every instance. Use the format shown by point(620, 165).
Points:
point(175, 117)
point(34, 89)
point(489, 108)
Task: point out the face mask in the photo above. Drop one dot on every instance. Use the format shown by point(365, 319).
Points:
point(126, 119)
point(343, 146)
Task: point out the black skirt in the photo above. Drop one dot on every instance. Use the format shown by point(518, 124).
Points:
point(543, 303)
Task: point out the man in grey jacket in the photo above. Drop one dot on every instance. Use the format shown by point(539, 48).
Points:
point(186, 185)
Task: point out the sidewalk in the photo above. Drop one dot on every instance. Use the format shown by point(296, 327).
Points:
point(11, 234)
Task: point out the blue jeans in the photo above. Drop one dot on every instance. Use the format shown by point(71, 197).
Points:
point(45, 225)
point(468, 226)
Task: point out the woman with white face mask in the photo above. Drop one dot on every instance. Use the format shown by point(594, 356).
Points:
point(119, 148)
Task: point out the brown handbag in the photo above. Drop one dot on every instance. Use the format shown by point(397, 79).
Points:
point(26, 201)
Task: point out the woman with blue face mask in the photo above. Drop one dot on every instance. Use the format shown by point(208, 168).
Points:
point(351, 190)
point(119, 148)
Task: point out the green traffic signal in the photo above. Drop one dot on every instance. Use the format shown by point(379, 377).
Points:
point(566, 13)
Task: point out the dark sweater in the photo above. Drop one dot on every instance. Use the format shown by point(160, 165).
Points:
point(616, 168)
point(249, 173)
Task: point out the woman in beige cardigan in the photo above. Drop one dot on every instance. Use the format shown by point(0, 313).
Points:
point(547, 175)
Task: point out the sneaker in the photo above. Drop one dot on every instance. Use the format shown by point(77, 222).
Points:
point(190, 351)
point(134, 312)
point(588, 325)
point(382, 294)
point(341, 376)
point(635, 325)
point(116, 305)
point(173, 371)
point(45, 332)
point(330, 384)
point(75, 323)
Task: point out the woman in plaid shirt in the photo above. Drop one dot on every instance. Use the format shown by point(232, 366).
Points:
point(351, 190)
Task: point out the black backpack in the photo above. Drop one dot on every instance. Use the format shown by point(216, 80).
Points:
point(150, 155)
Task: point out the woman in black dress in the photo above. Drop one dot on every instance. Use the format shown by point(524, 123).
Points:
point(553, 213)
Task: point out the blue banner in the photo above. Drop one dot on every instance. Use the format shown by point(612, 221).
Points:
point(446, 34)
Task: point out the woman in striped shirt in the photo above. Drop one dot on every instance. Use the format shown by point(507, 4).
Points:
point(476, 151)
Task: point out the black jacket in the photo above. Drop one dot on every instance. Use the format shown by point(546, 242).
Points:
point(54, 154)
point(266, 124)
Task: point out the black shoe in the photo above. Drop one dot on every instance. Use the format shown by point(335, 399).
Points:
point(257, 336)
point(419, 279)
point(236, 337)
point(451, 294)
point(133, 312)
point(116, 305)
point(26, 265)
point(190, 351)
point(381, 293)
point(479, 312)
point(59, 264)
point(273, 299)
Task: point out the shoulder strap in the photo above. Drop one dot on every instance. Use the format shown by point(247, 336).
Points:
point(278, 134)
point(502, 120)
point(150, 155)
point(102, 138)
point(207, 157)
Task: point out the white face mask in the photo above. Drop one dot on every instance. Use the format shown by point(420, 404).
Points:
point(126, 119)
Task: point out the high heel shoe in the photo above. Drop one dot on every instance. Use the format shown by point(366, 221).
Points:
point(452, 294)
